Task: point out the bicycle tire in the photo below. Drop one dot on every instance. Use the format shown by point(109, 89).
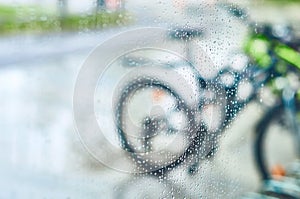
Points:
point(261, 130)
point(141, 162)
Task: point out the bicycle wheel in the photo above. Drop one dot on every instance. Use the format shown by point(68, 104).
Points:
point(127, 57)
point(159, 134)
point(268, 150)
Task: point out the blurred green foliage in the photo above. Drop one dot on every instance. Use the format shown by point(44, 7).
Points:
point(16, 20)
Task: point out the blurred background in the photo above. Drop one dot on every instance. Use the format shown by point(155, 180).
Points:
point(42, 47)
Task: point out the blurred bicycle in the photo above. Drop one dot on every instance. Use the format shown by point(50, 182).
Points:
point(271, 56)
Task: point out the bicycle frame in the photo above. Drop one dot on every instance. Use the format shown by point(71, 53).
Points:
point(267, 55)
point(272, 58)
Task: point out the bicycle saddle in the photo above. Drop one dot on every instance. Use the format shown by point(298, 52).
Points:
point(185, 33)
